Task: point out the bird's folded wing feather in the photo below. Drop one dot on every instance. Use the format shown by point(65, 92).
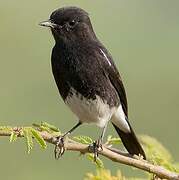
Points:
point(114, 77)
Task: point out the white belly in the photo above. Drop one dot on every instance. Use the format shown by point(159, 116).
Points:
point(90, 111)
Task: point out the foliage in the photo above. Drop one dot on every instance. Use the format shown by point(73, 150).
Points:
point(29, 133)
point(113, 140)
point(87, 140)
point(155, 151)
point(83, 139)
point(158, 154)
point(104, 175)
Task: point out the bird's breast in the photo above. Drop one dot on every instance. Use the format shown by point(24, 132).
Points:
point(89, 110)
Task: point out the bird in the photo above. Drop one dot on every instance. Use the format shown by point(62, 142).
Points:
point(88, 79)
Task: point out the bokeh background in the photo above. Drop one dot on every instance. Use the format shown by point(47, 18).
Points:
point(143, 37)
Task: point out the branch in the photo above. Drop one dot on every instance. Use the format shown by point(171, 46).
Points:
point(107, 152)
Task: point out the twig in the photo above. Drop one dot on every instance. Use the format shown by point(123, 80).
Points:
point(111, 154)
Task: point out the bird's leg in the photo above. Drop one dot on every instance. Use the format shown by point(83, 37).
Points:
point(96, 147)
point(59, 147)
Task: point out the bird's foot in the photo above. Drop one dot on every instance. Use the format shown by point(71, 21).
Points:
point(95, 148)
point(59, 147)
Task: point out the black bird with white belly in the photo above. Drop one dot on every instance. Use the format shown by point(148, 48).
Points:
point(87, 78)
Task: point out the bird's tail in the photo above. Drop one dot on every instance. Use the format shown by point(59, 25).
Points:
point(130, 141)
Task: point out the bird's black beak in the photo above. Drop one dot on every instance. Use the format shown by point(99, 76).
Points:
point(48, 23)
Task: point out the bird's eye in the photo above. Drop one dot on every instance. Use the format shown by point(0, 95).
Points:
point(72, 23)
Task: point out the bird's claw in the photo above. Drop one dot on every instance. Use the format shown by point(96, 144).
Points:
point(95, 148)
point(59, 147)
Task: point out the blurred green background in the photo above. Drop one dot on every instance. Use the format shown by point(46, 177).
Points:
point(143, 37)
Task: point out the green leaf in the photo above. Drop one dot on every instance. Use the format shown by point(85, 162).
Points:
point(39, 138)
point(42, 128)
point(36, 125)
point(157, 153)
point(154, 146)
point(13, 137)
point(83, 139)
point(176, 166)
point(98, 163)
point(105, 174)
point(50, 126)
point(6, 129)
point(111, 140)
point(28, 136)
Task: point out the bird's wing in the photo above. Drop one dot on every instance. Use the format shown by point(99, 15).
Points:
point(114, 77)
point(120, 123)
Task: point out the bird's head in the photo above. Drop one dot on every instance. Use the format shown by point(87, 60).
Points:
point(70, 24)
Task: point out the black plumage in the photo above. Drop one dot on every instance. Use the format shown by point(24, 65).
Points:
point(79, 66)
point(84, 69)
